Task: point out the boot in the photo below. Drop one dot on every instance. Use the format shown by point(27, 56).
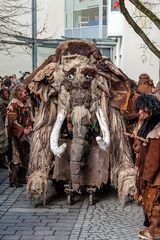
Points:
point(22, 175)
point(155, 221)
point(153, 231)
point(3, 161)
point(145, 234)
point(146, 222)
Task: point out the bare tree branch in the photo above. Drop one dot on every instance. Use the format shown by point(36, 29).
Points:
point(147, 12)
point(136, 28)
point(11, 17)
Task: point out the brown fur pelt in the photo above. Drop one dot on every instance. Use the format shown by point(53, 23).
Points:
point(30, 78)
point(79, 47)
point(41, 156)
point(37, 186)
point(126, 185)
point(122, 168)
point(144, 88)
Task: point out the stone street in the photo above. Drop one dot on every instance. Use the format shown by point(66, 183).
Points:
point(107, 220)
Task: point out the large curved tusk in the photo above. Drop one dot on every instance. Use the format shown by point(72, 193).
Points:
point(57, 151)
point(105, 141)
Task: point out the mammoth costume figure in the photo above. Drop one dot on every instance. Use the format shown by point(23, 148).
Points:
point(79, 128)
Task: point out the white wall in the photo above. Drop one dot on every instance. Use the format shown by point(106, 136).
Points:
point(115, 22)
point(43, 54)
point(132, 55)
point(51, 13)
point(18, 60)
point(137, 58)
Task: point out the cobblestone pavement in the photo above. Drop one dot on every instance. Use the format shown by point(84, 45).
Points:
point(106, 220)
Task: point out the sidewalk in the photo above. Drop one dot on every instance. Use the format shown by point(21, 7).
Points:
point(106, 220)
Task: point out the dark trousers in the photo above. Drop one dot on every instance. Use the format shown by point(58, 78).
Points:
point(19, 171)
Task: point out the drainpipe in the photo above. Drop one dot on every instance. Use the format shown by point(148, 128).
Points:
point(34, 34)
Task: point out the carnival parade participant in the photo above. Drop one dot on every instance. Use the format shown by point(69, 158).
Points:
point(20, 122)
point(157, 91)
point(145, 85)
point(148, 164)
point(4, 100)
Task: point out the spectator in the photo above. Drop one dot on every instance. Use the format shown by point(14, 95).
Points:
point(23, 79)
point(7, 82)
point(19, 118)
point(13, 79)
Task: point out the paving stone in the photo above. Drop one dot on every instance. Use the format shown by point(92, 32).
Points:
point(31, 237)
point(10, 237)
point(62, 233)
point(44, 233)
point(56, 238)
point(28, 232)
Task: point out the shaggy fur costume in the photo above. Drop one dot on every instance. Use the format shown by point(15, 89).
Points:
point(79, 81)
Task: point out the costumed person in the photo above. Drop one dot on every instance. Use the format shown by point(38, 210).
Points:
point(147, 164)
point(157, 91)
point(1, 82)
point(20, 122)
point(145, 85)
point(4, 100)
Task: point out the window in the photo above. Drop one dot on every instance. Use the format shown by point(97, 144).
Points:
point(104, 15)
point(86, 17)
point(69, 5)
point(104, 2)
point(69, 20)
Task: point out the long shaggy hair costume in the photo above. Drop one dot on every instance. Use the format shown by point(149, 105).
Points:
point(80, 82)
point(150, 104)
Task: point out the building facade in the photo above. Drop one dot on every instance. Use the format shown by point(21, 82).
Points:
point(99, 21)
point(85, 19)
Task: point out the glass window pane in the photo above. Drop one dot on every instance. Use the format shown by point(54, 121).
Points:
point(68, 5)
point(83, 4)
point(69, 20)
point(104, 15)
point(86, 17)
point(104, 2)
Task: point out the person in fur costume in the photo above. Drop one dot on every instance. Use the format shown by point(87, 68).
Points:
point(148, 164)
point(19, 123)
point(4, 100)
point(145, 85)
